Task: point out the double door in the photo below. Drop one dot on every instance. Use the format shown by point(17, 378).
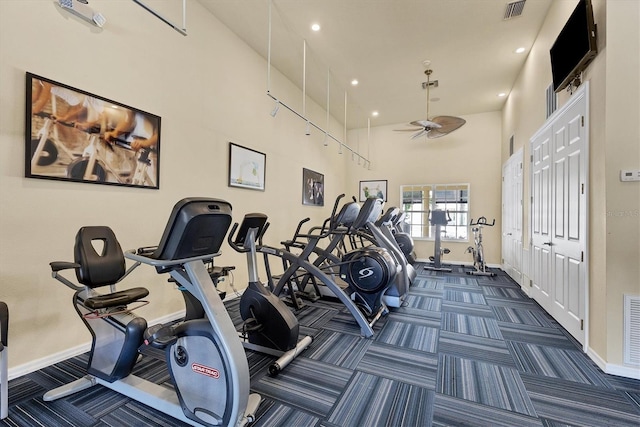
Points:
point(559, 214)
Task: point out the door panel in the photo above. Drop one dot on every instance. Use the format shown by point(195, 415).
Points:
point(541, 218)
point(558, 215)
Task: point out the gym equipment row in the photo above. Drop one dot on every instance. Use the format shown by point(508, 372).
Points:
point(439, 218)
point(205, 358)
point(369, 278)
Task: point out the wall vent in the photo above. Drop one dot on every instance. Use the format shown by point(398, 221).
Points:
point(514, 9)
point(552, 100)
point(631, 330)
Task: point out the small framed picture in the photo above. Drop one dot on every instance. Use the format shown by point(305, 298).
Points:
point(376, 189)
point(312, 188)
point(246, 167)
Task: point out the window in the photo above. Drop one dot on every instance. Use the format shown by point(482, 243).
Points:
point(419, 200)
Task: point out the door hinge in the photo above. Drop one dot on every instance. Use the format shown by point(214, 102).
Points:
point(531, 156)
point(582, 324)
point(530, 283)
point(582, 188)
point(582, 121)
point(581, 256)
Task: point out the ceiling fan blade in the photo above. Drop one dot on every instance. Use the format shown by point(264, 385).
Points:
point(409, 130)
point(448, 123)
point(435, 133)
point(425, 124)
point(419, 134)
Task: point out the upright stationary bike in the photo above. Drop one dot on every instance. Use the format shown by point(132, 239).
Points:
point(478, 252)
point(438, 219)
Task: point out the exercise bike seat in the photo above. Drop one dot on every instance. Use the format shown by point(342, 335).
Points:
point(97, 267)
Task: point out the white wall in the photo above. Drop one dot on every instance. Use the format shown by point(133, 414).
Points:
point(614, 82)
point(470, 155)
point(208, 87)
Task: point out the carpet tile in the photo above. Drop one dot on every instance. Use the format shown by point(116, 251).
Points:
point(468, 309)
point(554, 362)
point(411, 334)
point(338, 349)
point(578, 404)
point(450, 411)
point(535, 335)
point(277, 414)
point(409, 366)
point(306, 384)
point(370, 400)
point(464, 296)
point(471, 325)
point(485, 383)
point(462, 351)
point(476, 348)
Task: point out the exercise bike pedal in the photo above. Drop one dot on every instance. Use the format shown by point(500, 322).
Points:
point(446, 251)
point(160, 336)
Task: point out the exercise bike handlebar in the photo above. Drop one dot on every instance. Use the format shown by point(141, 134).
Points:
point(483, 221)
point(133, 254)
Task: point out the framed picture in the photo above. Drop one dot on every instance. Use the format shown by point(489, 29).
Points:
point(246, 167)
point(312, 188)
point(373, 189)
point(73, 135)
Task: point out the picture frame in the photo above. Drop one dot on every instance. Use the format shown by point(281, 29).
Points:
point(247, 167)
point(73, 135)
point(312, 188)
point(376, 188)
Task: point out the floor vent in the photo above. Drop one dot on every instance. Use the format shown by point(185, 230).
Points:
point(514, 9)
point(631, 330)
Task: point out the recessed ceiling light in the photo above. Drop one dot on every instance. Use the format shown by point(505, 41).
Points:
point(375, 114)
point(354, 82)
point(315, 27)
point(502, 94)
point(520, 50)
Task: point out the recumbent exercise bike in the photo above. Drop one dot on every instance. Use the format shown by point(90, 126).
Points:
point(205, 358)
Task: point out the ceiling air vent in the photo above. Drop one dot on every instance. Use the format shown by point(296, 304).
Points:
point(514, 9)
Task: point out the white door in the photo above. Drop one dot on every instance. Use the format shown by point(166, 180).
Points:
point(569, 216)
point(558, 214)
point(512, 216)
point(541, 218)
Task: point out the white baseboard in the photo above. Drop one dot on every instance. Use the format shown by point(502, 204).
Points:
point(610, 368)
point(34, 365)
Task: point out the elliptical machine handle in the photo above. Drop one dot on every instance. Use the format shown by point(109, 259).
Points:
point(236, 247)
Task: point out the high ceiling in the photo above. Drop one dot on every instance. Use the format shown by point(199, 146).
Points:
point(382, 44)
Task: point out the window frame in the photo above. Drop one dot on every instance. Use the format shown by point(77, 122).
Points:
point(422, 224)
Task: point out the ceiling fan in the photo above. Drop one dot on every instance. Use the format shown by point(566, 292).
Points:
point(434, 127)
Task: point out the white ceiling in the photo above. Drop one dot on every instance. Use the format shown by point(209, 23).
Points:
point(383, 44)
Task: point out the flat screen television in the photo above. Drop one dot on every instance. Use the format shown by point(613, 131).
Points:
point(575, 46)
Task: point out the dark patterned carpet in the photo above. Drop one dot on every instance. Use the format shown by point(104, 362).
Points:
point(464, 351)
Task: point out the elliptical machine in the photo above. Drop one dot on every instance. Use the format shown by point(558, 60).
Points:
point(478, 252)
point(438, 219)
point(269, 325)
point(206, 361)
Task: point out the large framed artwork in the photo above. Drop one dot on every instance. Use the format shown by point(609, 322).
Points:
point(312, 188)
point(376, 189)
point(73, 135)
point(246, 167)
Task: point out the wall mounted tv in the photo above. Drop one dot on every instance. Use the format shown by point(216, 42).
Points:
point(575, 46)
